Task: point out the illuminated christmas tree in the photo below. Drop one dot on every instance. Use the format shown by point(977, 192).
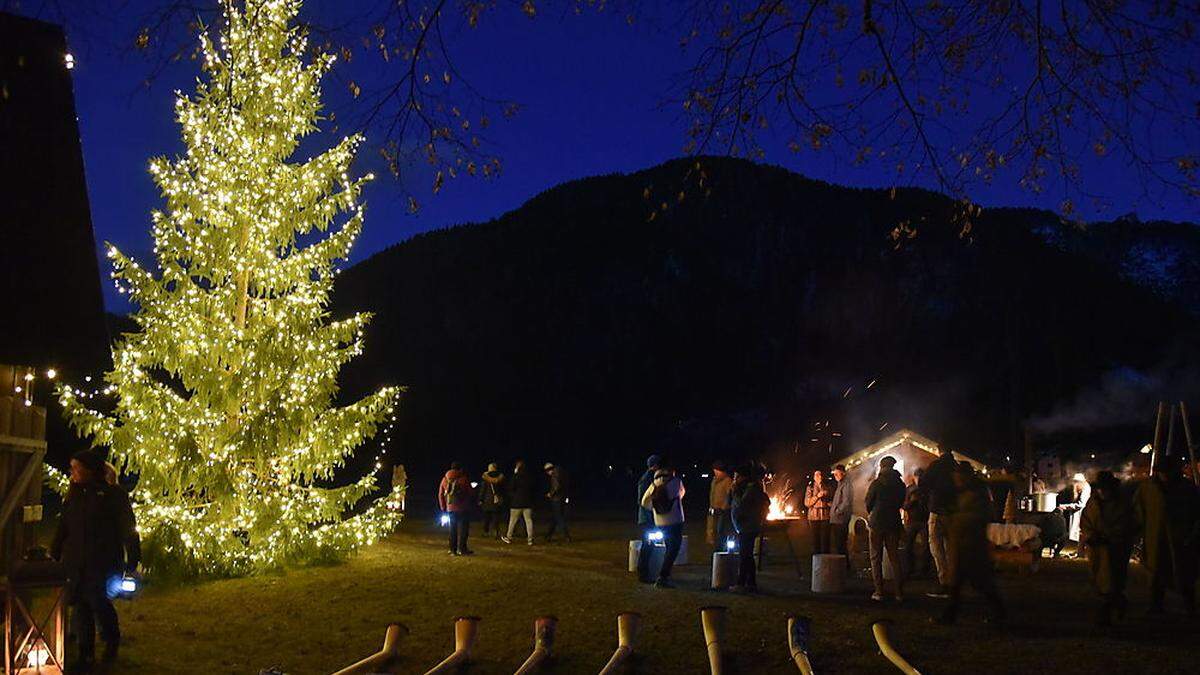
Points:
point(225, 393)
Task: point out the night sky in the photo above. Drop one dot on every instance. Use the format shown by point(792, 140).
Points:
point(591, 90)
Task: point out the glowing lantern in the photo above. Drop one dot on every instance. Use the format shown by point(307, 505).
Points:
point(39, 655)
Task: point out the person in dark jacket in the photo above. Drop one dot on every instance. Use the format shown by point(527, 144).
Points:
point(492, 499)
point(559, 497)
point(939, 488)
point(96, 540)
point(1168, 509)
point(970, 557)
point(455, 498)
point(749, 511)
point(884, 498)
point(916, 528)
point(520, 502)
point(841, 511)
point(1108, 529)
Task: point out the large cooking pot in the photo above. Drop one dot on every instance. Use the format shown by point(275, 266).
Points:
point(1045, 502)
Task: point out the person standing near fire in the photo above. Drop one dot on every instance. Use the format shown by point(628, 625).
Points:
point(818, 498)
point(841, 510)
point(969, 553)
point(719, 505)
point(749, 508)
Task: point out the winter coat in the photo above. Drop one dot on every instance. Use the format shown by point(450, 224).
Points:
point(842, 507)
point(520, 490)
point(1108, 527)
point(674, 492)
point(558, 485)
point(939, 484)
point(969, 551)
point(645, 515)
point(461, 501)
point(97, 537)
point(492, 495)
point(884, 498)
point(750, 507)
point(719, 492)
point(1171, 526)
point(818, 499)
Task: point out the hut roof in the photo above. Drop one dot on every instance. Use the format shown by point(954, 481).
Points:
point(895, 440)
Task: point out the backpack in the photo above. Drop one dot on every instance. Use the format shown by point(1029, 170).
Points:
point(453, 492)
point(661, 500)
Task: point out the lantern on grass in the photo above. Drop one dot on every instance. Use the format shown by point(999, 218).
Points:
point(34, 598)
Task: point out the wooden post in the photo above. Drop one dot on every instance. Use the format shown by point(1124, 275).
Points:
point(1157, 437)
point(1170, 432)
point(1191, 447)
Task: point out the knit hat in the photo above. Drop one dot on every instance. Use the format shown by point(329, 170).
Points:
point(548, 466)
point(653, 461)
point(887, 462)
point(90, 461)
point(493, 467)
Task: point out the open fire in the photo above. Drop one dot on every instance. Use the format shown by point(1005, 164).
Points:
point(779, 491)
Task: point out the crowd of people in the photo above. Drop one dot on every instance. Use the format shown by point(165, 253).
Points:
point(498, 493)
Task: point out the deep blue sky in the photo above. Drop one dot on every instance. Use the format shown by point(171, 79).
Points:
point(591, 90)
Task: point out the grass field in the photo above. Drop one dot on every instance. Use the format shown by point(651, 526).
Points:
point(315, 620)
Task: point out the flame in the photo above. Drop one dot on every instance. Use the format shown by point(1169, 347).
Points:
point(776, 510)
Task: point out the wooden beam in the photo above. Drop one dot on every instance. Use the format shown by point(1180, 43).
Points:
point(23, 444)
point(17, 493)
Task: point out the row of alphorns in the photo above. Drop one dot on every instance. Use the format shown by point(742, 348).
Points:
point(712, 621)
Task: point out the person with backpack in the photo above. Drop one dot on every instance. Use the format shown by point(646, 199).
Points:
point(492, 499)
point(520, 502)
point(665, 498)
point(558, 497)
point(749, 511)
point(454, 499)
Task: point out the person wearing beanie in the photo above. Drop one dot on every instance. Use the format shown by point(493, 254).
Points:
point(884, 499)
point(558, 498)
point(96, 540)
point(493, 500)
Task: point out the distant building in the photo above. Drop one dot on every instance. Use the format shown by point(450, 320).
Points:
point(51, 308)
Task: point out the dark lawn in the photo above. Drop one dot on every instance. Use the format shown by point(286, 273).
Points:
point(316, 620)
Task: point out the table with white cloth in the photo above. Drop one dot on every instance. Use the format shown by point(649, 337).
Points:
point(1015, 535)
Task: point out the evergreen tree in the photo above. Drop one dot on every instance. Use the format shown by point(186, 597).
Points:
point(225, 393)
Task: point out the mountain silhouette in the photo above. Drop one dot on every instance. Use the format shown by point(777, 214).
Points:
point(717, 307)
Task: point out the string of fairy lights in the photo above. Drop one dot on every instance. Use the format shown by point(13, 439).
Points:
point(222, 399)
